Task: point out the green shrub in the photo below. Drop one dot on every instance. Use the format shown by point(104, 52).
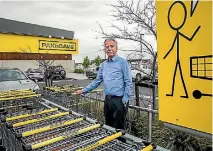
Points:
point(79, 71)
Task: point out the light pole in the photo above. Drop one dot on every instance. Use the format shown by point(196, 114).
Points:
point(104, 53)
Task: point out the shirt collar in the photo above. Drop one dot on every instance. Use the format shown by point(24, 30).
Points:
point(113, 58)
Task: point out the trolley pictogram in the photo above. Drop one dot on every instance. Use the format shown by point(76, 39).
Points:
point(201, 67)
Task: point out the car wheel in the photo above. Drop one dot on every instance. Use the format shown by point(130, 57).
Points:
point(62, 72)
point(138, 77)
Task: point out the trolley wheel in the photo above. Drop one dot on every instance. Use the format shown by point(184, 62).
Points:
point(197, 94)
point(3, 118)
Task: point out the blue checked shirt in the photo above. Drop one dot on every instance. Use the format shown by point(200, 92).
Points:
point(117, 78)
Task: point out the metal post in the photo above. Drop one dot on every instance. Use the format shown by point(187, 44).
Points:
point(153, 81)
point(154, 97)
point(137, 99)
point(150, 124)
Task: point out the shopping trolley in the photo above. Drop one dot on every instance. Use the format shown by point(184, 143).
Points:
point(56, 128)
point(16, 102)
point(65, 96)
point(66, 131)
point(201, 67)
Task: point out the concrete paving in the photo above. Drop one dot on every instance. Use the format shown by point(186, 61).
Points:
point(76, 76)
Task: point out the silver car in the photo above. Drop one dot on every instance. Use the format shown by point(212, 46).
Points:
point(35, 74)
point(15, 79)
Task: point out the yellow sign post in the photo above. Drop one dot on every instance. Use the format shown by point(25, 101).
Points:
point(31, 44)
point(184, 30)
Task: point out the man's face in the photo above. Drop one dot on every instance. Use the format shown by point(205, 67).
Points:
point(110, 48)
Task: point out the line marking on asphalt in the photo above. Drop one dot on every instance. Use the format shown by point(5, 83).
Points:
point(146, 97)
point(53, 81)
point(57, 81)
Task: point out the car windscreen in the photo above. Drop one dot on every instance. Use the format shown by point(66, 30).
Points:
point(36, 71)
point(59, 68)
point(11, 75)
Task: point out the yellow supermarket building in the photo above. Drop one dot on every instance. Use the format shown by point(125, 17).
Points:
point(23, 44)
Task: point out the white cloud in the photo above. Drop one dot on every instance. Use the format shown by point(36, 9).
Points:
point(78, 16)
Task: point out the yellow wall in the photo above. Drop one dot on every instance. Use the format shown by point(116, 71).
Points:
point(187, 112)
point(18, 43)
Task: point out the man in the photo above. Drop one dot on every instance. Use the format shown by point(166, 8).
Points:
point(48, 77)
point(116, 75)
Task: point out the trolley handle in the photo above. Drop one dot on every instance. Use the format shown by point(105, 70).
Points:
point(150, 147)
point(50, 127)
point(102, 141)
point(60, 138)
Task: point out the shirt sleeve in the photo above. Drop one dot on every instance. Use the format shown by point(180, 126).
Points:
point(128, 86)
point(96, 82)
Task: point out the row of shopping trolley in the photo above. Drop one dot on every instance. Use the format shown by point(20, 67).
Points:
point(28, 123)
point(65, 96)
point(17, 100)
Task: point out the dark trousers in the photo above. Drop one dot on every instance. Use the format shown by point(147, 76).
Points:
point(48, 82)
point(115, 112)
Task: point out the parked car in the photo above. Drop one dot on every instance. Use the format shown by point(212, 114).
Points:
point(58, 72)
point(15, 79)
point(144, 74)
point(35, 74)
point(92, 73)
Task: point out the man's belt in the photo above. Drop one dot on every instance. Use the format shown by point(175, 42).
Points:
point(113, 96)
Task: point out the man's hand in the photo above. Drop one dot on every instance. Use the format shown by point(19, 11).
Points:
point(124, 101)
point(79, 91)
point(125, 104)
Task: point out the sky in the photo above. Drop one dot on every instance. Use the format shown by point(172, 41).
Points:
point(78, 16)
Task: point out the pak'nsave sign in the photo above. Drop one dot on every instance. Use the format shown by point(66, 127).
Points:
point(56, 45)
point(32, 44)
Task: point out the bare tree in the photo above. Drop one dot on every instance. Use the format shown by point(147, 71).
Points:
point(139, 20)
point(41, 62)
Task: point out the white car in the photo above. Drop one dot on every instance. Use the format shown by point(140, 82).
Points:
point(144, 72)
point(15, 79)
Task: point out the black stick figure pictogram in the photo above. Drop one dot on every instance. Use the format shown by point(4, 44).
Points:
point(176, 40)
